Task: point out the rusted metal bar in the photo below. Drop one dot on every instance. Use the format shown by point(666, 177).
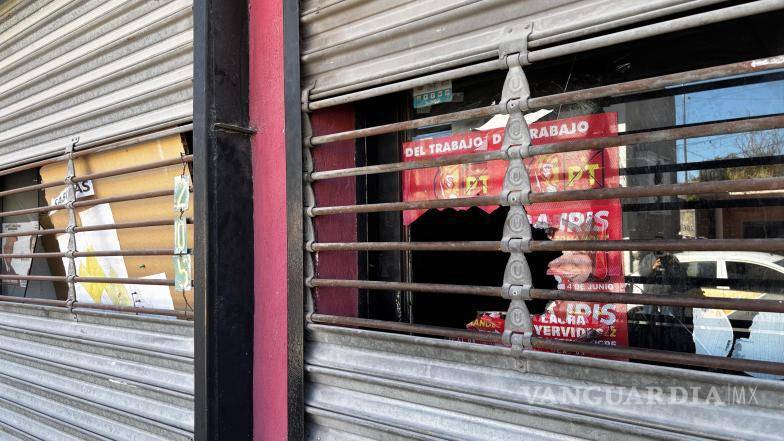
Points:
point(125, 198)
point(691, 188)
point(662, 300)
point(136, 168)
point(126, 225)
point(182, 314)
point(687, 359)
point(473, 69)
point(661, 245)
point(763, 245)
point(48, 255)
point(408, 125)
point(62, 303)
point(646, 31)
point(109, 280)
point(137, 252)
point(126, 280)
point(759, 305)
point(411, 165)
point(34, 278)
point(488, 291)
point(107, 174)
point(30, 188)
point(102, 227)
point(671, 357)
point(629, 87)
point(100, 148)
point(410, 205)
point(700, 130)
point(407, 246)
point(90, 203)
point(404, 327)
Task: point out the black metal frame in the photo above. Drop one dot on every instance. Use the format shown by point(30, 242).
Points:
point(224, 223)
point(294, 226)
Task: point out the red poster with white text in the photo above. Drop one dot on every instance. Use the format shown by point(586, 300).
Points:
point(578, 220)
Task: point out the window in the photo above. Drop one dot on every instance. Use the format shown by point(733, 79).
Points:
point(756, 277)
point(700, 269)
point(440, 264)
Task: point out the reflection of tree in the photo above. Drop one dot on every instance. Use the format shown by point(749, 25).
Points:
point(765, 144)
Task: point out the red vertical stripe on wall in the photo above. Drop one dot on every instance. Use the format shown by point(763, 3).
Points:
point(270, 413)
point(341, 228)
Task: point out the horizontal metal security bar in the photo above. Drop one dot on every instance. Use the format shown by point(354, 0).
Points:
point(626, 88)
point(97, 306)
point(405, 327)
point(405, 246)
point(687, 359)
point(692, 188)
point(110, 280)
point(95, 147)
point(185, 159)
point(764, 245)
point(554, 294)
point(101, 227)
point(671, 357)
point(489, 291)
point(91, 202)
point(107, 174)
point(695, 131)
point(662, 300)
point(139, 252)
point(474, 69)
point(655, 29)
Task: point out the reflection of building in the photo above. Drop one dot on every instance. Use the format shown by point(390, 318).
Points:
point(738, 216)
point(644, 115)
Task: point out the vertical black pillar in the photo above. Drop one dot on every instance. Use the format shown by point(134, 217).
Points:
point(223, 246)
point(294, 222)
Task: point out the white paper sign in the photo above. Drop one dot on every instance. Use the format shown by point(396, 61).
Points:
point(82, 189)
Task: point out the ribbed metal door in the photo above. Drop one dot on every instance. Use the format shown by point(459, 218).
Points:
point(354, 44)
point(364, 385)
point(96, 69)
point(94, 376)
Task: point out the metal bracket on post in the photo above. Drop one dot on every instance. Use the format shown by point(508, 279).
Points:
point(70, 193)
point(515, 193)
point(308, 202)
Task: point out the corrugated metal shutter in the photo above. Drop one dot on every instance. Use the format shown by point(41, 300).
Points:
point(365, 385)
point(96, 69)
point(99, 70)
point(94, 376)
point(353, 44)
point(369, 385)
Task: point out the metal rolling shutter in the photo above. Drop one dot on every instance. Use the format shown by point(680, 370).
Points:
point(96, 69)
point(369, 385)
point(352, 44)
point(364, 385)
point(101, 71)
point(101, 376)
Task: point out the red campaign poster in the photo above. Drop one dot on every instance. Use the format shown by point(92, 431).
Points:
point(452, 181)
point(570, 171)
point(579, 220)
point(600, 271)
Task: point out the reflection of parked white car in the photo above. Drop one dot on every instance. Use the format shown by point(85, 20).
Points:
point(764, 273)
